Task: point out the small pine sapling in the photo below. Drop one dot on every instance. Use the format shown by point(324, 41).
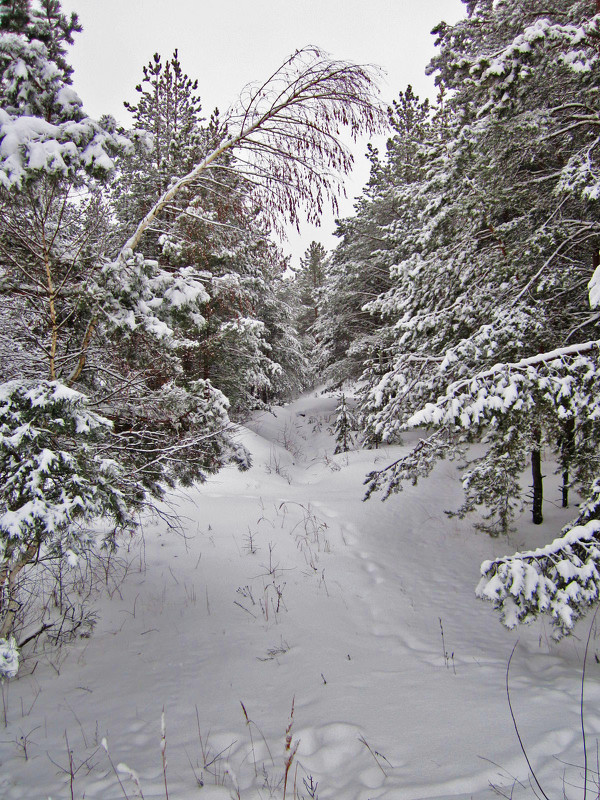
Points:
point(345, 423)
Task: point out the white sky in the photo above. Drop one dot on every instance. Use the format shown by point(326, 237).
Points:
point(227, 43)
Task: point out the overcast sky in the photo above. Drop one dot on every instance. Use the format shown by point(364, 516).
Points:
point(227, 43)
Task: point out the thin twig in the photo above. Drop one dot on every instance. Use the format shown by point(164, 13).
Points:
point(516, 727)
point(583, 738)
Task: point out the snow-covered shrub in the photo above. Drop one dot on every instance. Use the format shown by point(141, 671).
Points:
point(53, 477)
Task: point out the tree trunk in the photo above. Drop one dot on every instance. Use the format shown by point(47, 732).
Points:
point(565, 488)
point(10, 605)
point(538, 486)
point(567, 447)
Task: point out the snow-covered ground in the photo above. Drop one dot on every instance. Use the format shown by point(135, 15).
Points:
point(350, 627)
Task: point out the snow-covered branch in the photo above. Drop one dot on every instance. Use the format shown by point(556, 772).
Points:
point(561, 579)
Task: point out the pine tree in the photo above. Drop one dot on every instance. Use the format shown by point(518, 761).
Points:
point(170, 139)
point(345, 424)
point(47, 489)
point(68, 340)
point(401, 186)
point(309, 280)
point(520, 371)
point(214, 228)
point(53, 481)
point(515, 245)
point(356, 273)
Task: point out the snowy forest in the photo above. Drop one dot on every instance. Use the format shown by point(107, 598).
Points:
point(345, 456)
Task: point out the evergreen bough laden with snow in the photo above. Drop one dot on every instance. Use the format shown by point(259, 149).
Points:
point(561, 579)
point(551, 400)
point(88, 322)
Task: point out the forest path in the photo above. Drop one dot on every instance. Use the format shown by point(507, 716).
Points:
point(284, 588)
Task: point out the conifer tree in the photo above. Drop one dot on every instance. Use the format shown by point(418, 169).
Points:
point(309, 280)
point(517, 362)
point(345, 424)
point(170, 139)
point(52, 473)
point(356, 273)
point(518, 252)
point(214, 227)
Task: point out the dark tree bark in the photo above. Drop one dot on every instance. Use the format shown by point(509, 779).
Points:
point(567, 446)
point(538, 485)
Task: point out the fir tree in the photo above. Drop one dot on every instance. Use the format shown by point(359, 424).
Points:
point(345, 424)
point(309, 280)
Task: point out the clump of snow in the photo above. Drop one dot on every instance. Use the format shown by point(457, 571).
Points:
point(594, 289)
point(9, 658)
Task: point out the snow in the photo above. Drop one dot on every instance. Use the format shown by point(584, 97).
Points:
point(29, 143)
point(594, 289)
point(351, 627)
point(185, 290)
point(9, 659)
